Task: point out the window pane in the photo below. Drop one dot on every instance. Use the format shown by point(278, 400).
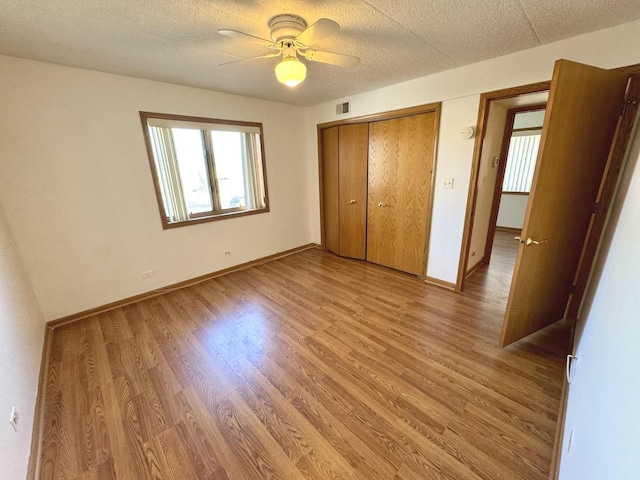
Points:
point(229, 152)
point(521, 163)
point(193, 169)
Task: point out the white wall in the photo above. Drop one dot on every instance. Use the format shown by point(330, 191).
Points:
point(78, 194)
point(512, 210)
point(604, 397)
point(487, 175)
point(22, 327)
point(459, 90)
point(453, 161)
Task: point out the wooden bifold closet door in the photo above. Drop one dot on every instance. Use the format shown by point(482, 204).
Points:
point(377, 184)
point(345, 189)
point(401, 155)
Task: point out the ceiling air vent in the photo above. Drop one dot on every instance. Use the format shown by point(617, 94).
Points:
point(343, 108)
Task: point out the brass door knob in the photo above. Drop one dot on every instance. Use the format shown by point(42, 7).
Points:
point(530, 241)
point(382, 204)
point(350, 202)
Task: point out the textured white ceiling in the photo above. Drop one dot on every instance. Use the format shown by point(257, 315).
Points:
point(176, 41)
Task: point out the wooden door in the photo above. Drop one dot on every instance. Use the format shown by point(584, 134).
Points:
point(331, 193)
point(582, 113)
point(401, 153)
point(353, 151)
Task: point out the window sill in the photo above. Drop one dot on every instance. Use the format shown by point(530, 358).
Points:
point(212, 218)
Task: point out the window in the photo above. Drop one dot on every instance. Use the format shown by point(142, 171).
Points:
point(521, 161)
point(205, 169)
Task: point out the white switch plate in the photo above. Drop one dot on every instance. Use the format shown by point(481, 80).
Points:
point(447, 183)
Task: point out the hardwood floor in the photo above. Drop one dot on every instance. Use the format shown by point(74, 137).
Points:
point(311, 366)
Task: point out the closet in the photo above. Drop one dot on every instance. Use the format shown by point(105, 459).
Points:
point(377, 188)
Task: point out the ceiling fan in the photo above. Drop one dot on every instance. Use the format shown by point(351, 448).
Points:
point(291, 37)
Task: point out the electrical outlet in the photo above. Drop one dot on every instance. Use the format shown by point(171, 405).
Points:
point(13, 419)
point(227, 252)
point(447, 183)
point(147, 274)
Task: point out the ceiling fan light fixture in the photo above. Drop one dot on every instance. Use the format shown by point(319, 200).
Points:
point(291, 71)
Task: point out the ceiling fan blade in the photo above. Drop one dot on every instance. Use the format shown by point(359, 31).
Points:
point(331, 58)
point(268, 55)
point(318, 31)
point(245, 36)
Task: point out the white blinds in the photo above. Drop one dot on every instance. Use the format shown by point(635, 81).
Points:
point(168, 174)
point(521, 163)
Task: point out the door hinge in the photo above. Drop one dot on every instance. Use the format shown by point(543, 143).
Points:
point(596, 207)
point(573, 289)
point(625, 104)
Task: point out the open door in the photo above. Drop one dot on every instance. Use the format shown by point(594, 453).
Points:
point(582, 113)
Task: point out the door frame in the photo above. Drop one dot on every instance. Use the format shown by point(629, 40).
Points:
point(376, 117)
point(502, 166)
point(472, 196)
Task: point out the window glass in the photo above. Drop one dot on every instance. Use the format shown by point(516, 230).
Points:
point(230, 155)
point(194, 175)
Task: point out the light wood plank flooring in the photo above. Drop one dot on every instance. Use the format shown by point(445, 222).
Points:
point(311, 366)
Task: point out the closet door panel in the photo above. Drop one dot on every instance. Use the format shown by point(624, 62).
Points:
point(417, 147)
point(330, 154)
point(401, 153)
point(381, 220)
point(353, 151)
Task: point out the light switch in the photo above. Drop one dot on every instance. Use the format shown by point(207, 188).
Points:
point(447, 183)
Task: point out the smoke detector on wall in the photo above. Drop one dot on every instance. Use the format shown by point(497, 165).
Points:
point(467, 132)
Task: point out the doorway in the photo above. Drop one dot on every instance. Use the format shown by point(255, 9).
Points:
point(505, 178)
point(498, 214)
point(585, 125)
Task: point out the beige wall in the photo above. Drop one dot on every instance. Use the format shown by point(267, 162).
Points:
point(21, 339)
point(78, 194)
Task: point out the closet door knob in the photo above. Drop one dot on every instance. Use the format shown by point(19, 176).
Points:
point(382, 204)
point(350, 202)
